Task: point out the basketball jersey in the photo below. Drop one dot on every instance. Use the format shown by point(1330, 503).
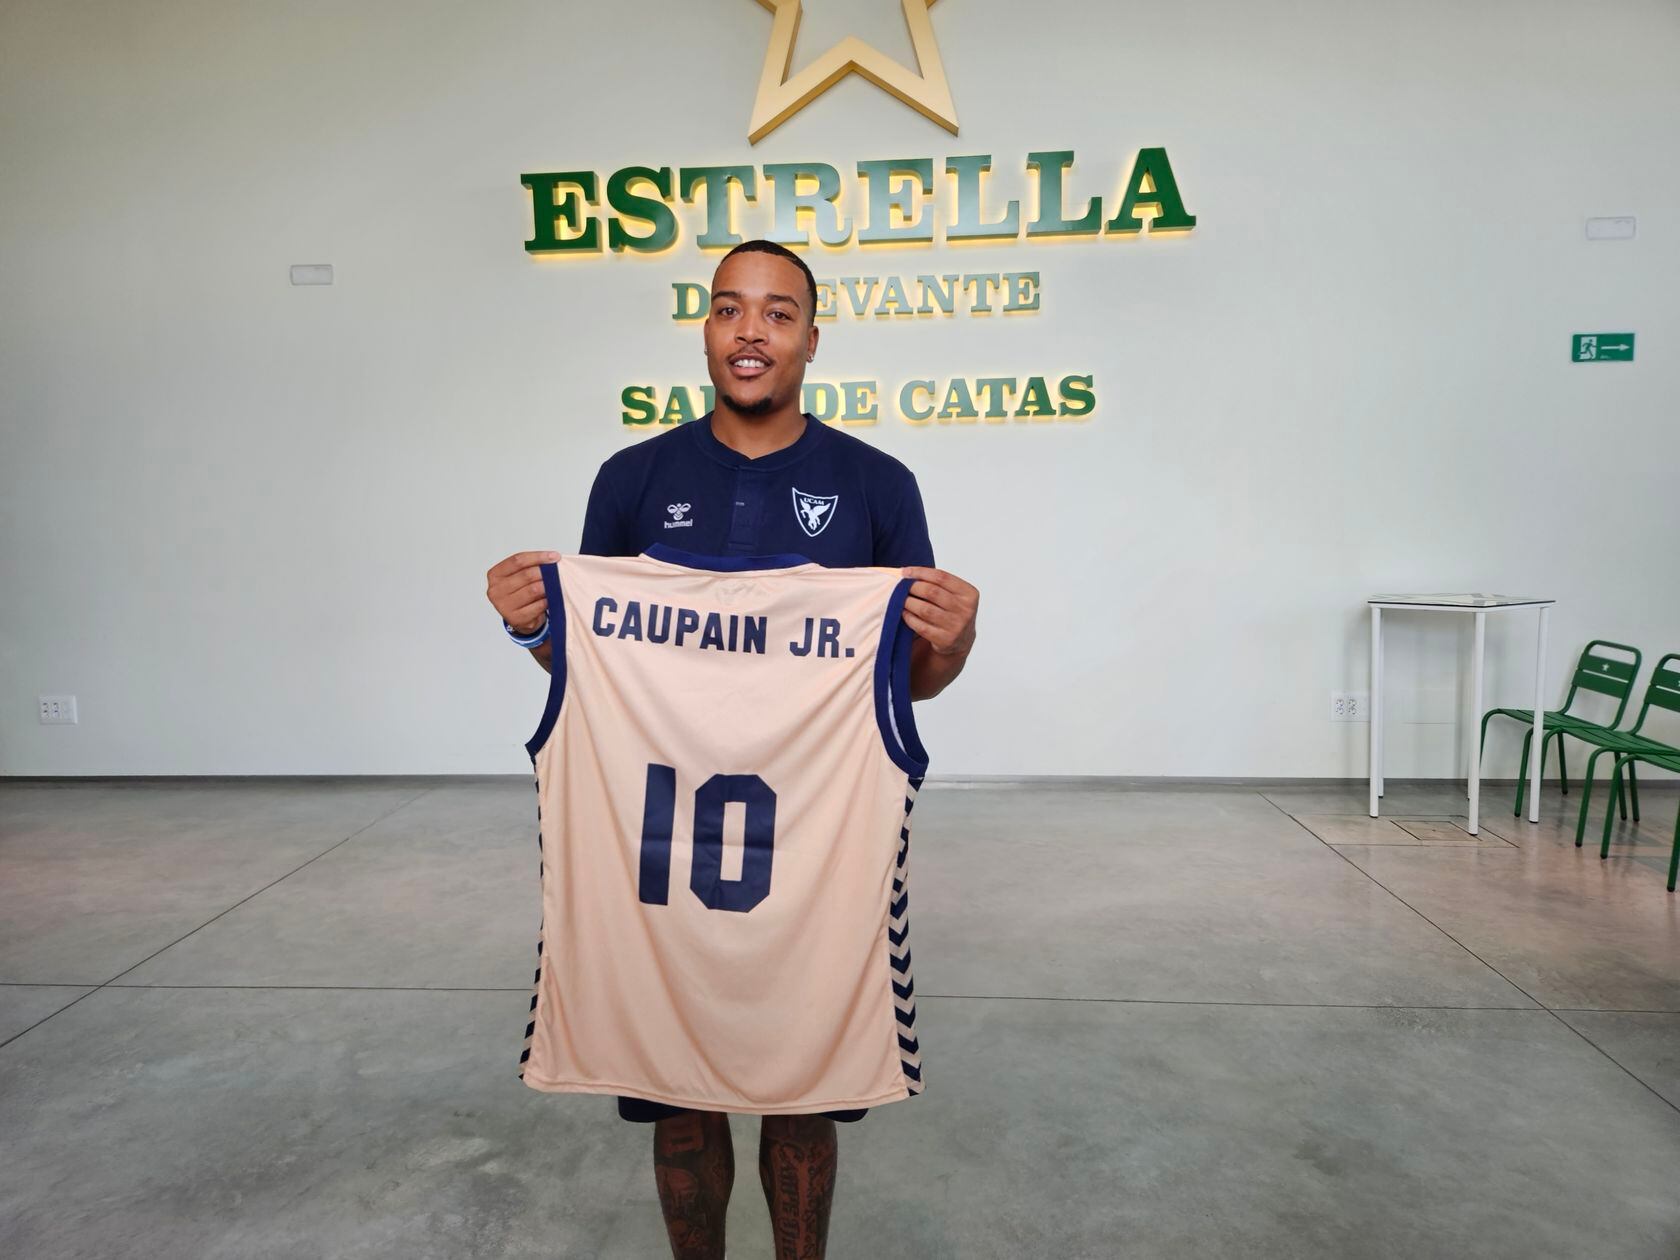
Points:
point(725, 771)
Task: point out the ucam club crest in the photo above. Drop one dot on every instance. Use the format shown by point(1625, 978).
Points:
point(814, 511)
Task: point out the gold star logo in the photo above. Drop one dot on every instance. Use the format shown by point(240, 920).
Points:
point(780, 98)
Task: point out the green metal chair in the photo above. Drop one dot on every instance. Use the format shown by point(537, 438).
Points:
point(1595, 671)
point(1629, 746)
point(1667, 763)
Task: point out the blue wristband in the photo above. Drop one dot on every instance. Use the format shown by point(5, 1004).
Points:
point(535, 640)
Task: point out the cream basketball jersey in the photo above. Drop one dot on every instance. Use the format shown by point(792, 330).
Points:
point(725, 771)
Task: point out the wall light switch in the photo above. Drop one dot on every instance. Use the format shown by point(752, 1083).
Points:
point(312, 273)
point(1350, 706)
point(57, 710)
point(1620, 228)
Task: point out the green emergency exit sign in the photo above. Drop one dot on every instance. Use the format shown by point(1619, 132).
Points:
point(1602, 348)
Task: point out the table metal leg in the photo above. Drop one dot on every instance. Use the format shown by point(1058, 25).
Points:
point(1536, 759)
point(1470, 753)
point(1382, 730)
point(1376, 708)
point(1467, 764)
point(1476, 708)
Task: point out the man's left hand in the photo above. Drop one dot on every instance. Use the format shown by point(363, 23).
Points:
point(941, 608)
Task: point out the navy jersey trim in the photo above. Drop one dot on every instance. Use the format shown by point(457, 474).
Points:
point(898, 952)
point(893, 709)
point(557, 662)
point(723, 564)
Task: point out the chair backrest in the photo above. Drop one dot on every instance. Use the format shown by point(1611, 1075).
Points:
point(1598, 670)
point(1663, 691)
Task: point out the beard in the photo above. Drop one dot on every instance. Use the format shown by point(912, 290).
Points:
point(763, 407)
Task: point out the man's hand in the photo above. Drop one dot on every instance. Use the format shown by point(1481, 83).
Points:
point(941, 608)
point(515, 589)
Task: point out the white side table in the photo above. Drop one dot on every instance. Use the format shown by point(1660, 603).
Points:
point(1480, 606)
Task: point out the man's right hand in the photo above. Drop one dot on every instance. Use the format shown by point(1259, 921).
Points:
point(515, 589)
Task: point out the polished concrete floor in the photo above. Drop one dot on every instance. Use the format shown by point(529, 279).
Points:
point(281, 1020)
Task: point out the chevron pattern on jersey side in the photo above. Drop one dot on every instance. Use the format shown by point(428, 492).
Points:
point(536, 978)
point(898, 938)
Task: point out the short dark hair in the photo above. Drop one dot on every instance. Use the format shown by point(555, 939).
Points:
point(780, 251)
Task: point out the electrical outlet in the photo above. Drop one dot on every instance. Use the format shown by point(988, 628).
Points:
point(58, 710)
point(1350, 706)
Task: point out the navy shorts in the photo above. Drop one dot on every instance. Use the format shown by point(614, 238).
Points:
point(641, 1111)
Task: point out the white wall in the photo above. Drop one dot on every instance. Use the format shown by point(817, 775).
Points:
point(248, 524)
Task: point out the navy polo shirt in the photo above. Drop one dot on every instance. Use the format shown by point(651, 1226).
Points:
point(829, 497)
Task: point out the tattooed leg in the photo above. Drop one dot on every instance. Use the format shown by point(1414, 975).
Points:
point(797, 1161)
point(694, 1163)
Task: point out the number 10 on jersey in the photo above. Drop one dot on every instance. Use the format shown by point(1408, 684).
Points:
point(705, 878)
